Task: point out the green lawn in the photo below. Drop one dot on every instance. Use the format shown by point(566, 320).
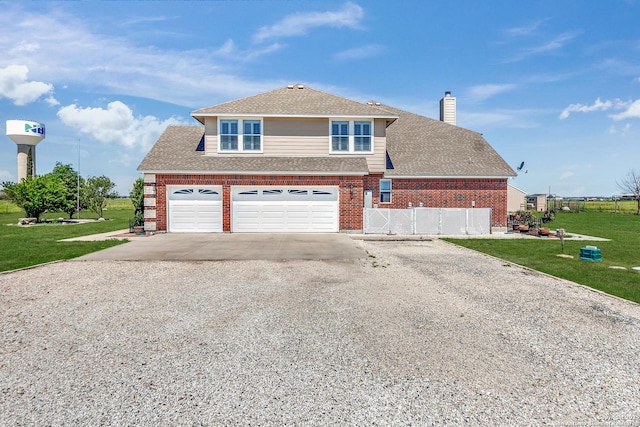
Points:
point(32, 245)
point(624, 206)
point(623, 250)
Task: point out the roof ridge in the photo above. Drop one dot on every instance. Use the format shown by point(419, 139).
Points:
point(400, 111)
point(239, 99)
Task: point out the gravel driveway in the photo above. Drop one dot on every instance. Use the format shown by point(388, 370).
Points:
point(418, 333)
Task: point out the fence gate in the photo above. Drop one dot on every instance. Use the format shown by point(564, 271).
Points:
point(430, 221)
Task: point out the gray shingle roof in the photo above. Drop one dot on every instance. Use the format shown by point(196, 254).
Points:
point(416, 145)
point(175, 151)
point(294, 101)
point(420, 146)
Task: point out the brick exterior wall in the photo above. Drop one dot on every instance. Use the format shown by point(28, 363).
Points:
point(445, 193)
point(440, 193)
point(350, 189)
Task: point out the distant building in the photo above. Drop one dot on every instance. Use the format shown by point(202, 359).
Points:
point(537, 202)
point(516, 199)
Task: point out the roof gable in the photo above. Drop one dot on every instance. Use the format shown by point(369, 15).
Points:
point(293, 100)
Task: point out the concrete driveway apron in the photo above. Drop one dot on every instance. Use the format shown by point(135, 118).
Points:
point(233, 246)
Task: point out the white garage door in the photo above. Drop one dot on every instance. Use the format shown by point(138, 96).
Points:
point(284, 209)
point(195, 209)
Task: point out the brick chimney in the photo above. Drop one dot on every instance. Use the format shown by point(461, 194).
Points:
point(448, 109)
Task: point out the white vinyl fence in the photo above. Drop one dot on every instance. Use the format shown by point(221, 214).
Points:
point(430, 221)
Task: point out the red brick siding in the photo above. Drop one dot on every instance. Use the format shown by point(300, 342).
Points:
point(441, 193)
point(350, 189)
point(445, 193)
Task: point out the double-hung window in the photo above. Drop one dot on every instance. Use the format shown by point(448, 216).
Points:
point(240, 135)
point(362, 136)
point(340, 136)
point(228, 135)
point(385, 191)
point(251, 136)
point(351, 136)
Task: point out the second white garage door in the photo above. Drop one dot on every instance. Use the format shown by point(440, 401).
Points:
point(284, 209)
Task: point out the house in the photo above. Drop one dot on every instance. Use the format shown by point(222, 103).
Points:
point(297, 159)
point(516, 199)
point(537, 202)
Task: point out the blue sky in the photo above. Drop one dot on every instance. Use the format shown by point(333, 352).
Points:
point(555, 84)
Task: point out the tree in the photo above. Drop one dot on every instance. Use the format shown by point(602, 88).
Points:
point(37, 195)
point(137, 198)
point(97, 191)
point(70, 179)
point(630, 184)
point(30, 171)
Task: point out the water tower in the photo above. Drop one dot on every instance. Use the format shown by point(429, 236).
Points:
point(27, 135)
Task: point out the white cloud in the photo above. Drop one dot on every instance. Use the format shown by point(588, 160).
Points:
point(624, 131)
point(514, 119)
point(556, 44)
point(566, 175)
point(116, 124)
point(123, 159)
point(598, 105)
point(525, 30)
point(75, 55)
point(482, 92)
point(52, 101)
point(15, 86)
point(252, 54)
point(227, 48)
point(299, 24)
point(632, 111)
point(359, 52)
point(5, 176)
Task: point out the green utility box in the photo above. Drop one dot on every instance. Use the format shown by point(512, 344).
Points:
point(590, 253)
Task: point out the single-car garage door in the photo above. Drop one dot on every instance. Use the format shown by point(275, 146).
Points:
point(284, 209)
point(195, 209)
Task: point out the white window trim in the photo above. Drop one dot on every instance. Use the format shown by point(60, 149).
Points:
point(240, 120)
point(390, 191)
point(351, 135)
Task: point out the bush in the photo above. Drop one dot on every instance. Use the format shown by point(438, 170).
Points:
point(137, 198)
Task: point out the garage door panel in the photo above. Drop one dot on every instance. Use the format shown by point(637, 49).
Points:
point(204, 214)
point(260, 212)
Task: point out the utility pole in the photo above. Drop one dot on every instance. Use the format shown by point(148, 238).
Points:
point(78, 182)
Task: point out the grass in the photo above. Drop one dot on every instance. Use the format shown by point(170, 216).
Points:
point(624, 206)
point(623, 250)
point(28, 246)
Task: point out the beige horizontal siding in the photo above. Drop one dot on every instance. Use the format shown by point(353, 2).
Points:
point(296, 146)
point(288, 127)
point(211, 145)
point(380, 128)
point(300, 137)
point(211, 126)
point(377, 162)
point(211, 136)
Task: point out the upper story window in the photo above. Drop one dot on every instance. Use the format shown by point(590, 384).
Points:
point(340, 136)
point(252, 135)
point(228, 135)
point(351, 136)
point(362, 136)
point(234, 131)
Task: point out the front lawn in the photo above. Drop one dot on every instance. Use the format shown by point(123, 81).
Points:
point(24, 246)
point(623, 251)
